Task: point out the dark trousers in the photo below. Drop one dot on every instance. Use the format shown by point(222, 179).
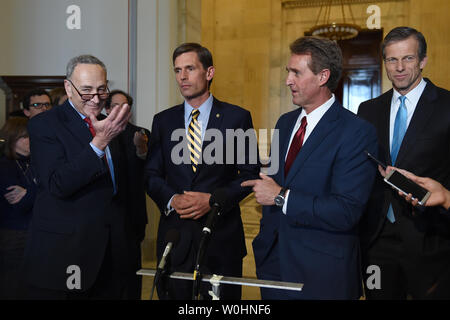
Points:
point(132, 287)
point(412, 263)
point(12, 247)
point(107, 286)
point(270, 270)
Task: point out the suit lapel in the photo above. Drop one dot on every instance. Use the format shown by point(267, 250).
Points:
point(75, 124)
point(323, 128)
point(422, 113)
point(117, 151)
point(178, 123)
point(214, 122)
point(285, 136)
point(385, 114)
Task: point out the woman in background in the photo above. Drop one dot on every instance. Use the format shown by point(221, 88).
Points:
point(17, 193)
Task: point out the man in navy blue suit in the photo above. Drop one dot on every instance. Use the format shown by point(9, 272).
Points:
point(182, 190)
point(77, 243)
point(312, 205)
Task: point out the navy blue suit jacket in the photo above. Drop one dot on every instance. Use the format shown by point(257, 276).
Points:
point(166, 178)
point(316, 241)
point(75, 213)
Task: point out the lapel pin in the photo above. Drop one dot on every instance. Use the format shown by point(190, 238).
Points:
point(218, 115)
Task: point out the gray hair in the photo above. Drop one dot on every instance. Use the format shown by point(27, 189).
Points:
point(83, 59)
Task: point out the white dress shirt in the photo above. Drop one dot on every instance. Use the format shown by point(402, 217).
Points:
point(412, 98)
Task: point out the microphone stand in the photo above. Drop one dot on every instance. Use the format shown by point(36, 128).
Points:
point(197, 272)
point(202, 250)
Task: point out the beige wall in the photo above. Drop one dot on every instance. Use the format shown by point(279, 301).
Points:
point(249, 40)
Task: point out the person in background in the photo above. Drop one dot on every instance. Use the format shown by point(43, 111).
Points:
point(134, 141)
point(58, 96)
point(17, 195)
point(36, 101)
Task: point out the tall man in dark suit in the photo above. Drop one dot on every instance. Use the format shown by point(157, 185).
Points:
point(312, 205)
point(411, 247)
point(134, 140)
point(182, 190)
point(77, 246)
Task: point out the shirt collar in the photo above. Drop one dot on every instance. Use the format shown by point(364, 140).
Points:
point(81, 115)
point(413, 96)
point(204, 109)
point(314, 116)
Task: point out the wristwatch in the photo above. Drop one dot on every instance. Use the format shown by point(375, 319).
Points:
point(279, 199)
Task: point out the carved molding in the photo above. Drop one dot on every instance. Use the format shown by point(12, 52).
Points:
point(15, 87)
point(290, 4)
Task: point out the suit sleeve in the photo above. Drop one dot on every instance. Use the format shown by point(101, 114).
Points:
point(61, 175)
point(246, 165)
point(155, 169)
point(363, 110)
point(351, 181)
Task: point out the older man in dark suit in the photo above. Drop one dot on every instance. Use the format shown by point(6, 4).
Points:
point(77, 244)
point(410, 247)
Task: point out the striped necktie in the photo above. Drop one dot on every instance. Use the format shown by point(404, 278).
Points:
point(195, 139)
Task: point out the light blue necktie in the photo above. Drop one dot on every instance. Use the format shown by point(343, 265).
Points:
point(399, 133)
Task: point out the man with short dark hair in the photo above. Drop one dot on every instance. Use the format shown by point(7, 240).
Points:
point(410, 246)
point(182, 191)
point(312, 205)
point(77, 248)
point(36, 101)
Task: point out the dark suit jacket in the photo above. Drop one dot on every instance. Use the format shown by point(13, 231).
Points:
point(425, 151)
point(316, 242)
point(75, 213)
point(135, 191)
point(165, 178)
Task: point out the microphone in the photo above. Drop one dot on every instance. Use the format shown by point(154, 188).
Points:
point(172, 238)
point(216, 202)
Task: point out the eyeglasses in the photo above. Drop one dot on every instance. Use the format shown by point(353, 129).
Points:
point(102, 94)
point(40, 105)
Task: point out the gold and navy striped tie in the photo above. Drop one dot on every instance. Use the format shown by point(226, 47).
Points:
point(195, 139)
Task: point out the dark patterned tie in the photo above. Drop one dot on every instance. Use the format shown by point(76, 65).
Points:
point(296, 145)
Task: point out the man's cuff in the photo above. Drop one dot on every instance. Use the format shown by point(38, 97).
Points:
point(284, 209)
point(100, 153)
point(169, 208)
